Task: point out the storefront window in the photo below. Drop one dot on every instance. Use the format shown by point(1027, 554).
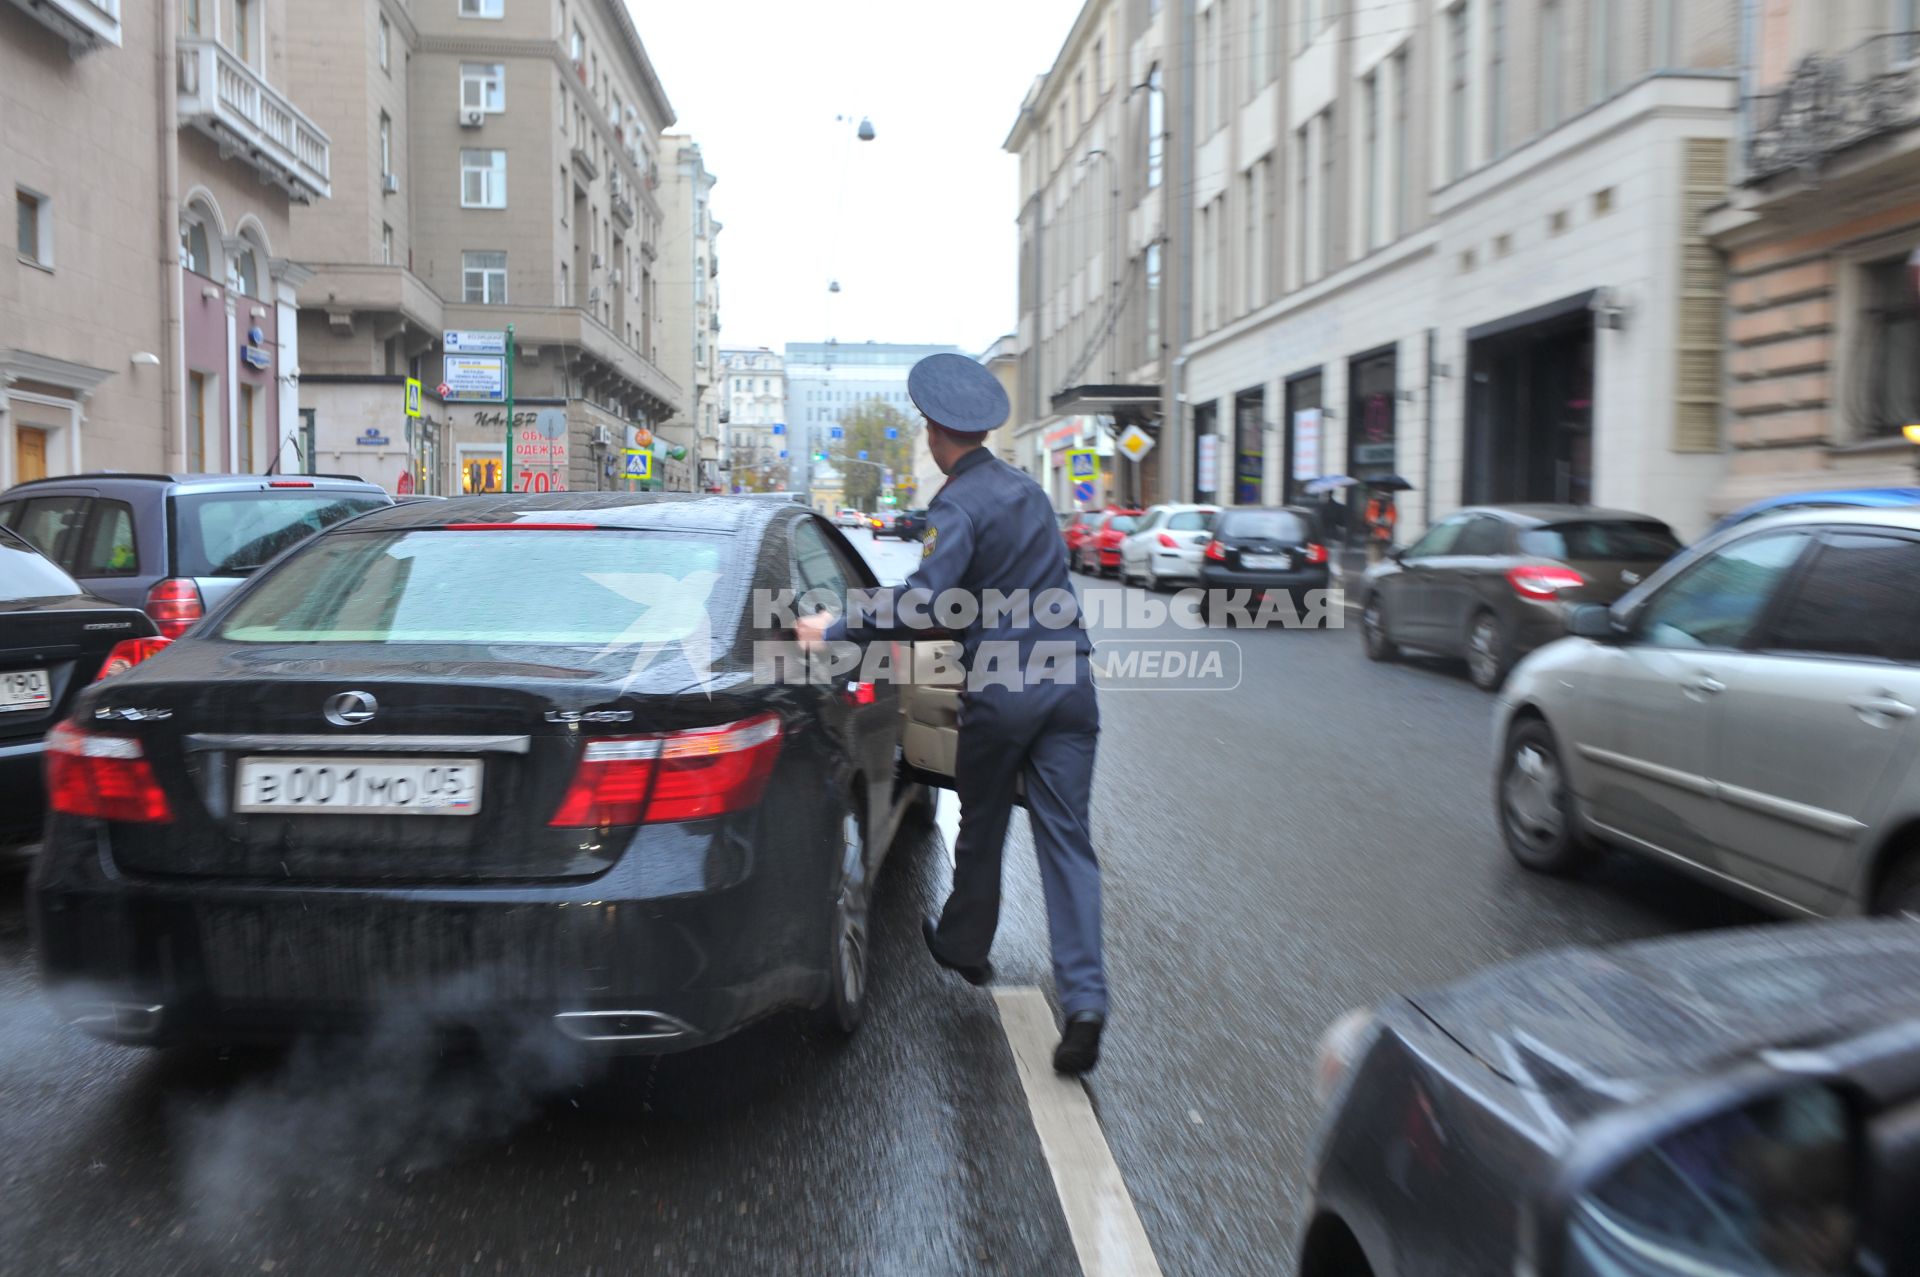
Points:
point(482, 472)
point(1888, 397)
point(1250, 447)
point(1371, 423)
point(1305, 430)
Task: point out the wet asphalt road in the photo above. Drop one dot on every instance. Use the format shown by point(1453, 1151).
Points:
point(1313, 840)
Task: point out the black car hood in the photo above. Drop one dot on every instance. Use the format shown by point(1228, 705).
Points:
point(1616, 1022)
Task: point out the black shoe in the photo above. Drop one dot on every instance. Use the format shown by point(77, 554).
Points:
point(981, 974)
point(1079, 1048)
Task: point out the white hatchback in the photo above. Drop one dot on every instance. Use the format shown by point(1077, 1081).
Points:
point(1166, 545)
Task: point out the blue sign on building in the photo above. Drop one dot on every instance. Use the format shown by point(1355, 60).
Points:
point(893, 432)
point(837, 433)
point(779, 429)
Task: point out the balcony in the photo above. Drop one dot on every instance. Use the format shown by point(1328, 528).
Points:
point(1835, 101)
point(583, 163)
point(226, 99)
point(85, 25)
point(622, 209)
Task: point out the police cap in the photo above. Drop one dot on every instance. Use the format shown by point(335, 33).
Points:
point(958, 393)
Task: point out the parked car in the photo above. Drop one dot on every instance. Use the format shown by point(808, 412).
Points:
point(172, 544)
point(1079, 525)
point(1838, 498)
point(850, 519)
point(1261, 550)
point(1166, 545)
point(55, 638)
point(1748, 715)
point(1100, 548)
point(908, 525)
point(1492, 583)
point(424, 747)
point(1717, 1104)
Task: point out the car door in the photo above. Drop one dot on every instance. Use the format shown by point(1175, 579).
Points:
point(1655, 701)
point(1406, 594)
point(1818, 725)
point(1461, 581)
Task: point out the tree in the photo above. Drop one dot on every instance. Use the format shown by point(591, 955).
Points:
point(866, 431)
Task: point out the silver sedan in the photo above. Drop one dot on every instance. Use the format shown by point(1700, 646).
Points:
point(1748, 715)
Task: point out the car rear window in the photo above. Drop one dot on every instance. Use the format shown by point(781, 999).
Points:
point(492, 587)
point(25, 574)
point(232, 533)
point(1266, 525)
point(1189, 521)
point(1122, 523)
point(1601, 539)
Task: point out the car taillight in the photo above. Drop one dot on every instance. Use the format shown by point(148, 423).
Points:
point(1316, 553)
point(174, 604)
point(1169, 542)
point(687, 775)
point(1543, 582)
point(106, 777)
point(1216, 551)
point(128, 653)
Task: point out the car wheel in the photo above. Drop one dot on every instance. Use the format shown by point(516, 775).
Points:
point(1373, 630)
point(1487, 657)
point(1899, 895)
point(1535, 807)
point(848, 936)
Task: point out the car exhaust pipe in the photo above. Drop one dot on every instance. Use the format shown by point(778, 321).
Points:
point(621, 1026)
point(118, 1021)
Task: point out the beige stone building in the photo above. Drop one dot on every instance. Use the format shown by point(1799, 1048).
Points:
point(498, 165)
point(753, 400)
point(147, 314)
point(689, 328)
point(1822, 233)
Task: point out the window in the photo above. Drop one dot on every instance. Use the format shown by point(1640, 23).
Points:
point(1482, 538)
point(50, 525)
point(243, 271)
point(1457, 105)
point(1716, 602)
point(820, 577)
point(110, 548)
point(1324, 257)
point(1614, 539)
point(1369, 174)
point(386, 44)
point(1257, 68)
point(386, 244)
point(1552, 66)
point(1250, 271)
point(386, 145)
point(1188, 521)
point(1856, 599)
point(1605, 15)
point(197, 422)
point(1156, 128)
point(1100, 66)
point(1888, 397)
point(484, 278)
point(483, 87)
point(245, 429)
point(33, 238)
point(190, 17)
point(1667, 16)
point(1402, 135)
point(482, 8)
point(1440, 539)
point(483, 179)
point(1497, 82)
point(1205, 71)
point(1223, 65)
point(242, 41)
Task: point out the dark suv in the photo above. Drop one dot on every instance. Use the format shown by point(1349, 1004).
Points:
point(174, 545)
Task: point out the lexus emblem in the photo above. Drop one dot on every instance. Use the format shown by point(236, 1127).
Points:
point(350, 709)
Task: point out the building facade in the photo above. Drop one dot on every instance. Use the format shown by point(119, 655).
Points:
point(1462, 243)
point(689, 334)
point(147, 319)
point(499, 167)
point(827, 382)
point(753, 403)
point(1822, 234)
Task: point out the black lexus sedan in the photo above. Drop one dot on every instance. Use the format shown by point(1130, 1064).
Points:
point(510, 751)
point(1736, 1102)
point(55, 638)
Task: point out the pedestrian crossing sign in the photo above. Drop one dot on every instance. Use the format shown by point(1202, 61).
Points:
point(1083, 465)
point(413, 396)
point(639, 464)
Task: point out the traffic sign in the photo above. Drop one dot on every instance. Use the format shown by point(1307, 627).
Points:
point(893, 432)
point(1135, 443)
point(551, 423)
point(477, 377)
point(1083, 492)
point(1083, 464)
point(444, 391)
point(837, 433)
point(413, 396)
point(863, 454)
point(468, 341)
point(639, 464)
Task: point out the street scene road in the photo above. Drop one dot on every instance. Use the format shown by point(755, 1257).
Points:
point(1266, 870)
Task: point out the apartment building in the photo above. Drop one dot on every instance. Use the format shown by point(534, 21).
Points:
point(689, 329)
point(753, 403)
point(498, 168)
point(1094, 345)
point(1822, 234)
point(155, 157)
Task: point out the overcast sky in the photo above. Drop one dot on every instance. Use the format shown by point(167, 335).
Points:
point(918, 224)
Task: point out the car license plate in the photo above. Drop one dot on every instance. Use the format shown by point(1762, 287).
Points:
point(1268, 562)
point(359, 786)
point(24, 690)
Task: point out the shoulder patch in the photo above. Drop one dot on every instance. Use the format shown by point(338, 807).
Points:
point(926, 542)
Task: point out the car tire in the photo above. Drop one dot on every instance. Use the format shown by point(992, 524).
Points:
point(1489, 655)
point(1534, 806)
point(1373, 631)
point(1899, 895)
point(849, 935)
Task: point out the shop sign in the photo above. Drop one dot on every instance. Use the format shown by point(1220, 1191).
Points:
point(1306, 444)
point(1208, 479)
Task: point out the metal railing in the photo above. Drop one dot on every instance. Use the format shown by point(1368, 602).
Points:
point(219, 91)
point(1833, 101)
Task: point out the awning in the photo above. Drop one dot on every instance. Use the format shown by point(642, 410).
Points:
point(1132, 402)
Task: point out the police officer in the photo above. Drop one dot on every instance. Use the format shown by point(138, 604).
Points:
point(992, 529)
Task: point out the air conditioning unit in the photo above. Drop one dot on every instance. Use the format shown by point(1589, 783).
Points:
point(613, 277)
point(593, 295)
point(598, 261)
point(390, 183)
point(602, 437)
point(470, 119)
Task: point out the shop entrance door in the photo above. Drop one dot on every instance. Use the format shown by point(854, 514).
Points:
point(1530, 431)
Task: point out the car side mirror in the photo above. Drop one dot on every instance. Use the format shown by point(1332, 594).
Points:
point(1597, 622)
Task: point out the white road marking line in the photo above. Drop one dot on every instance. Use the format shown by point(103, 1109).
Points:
point(1105, 1228)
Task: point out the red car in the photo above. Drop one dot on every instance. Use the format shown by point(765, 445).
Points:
point(1099, 552)
point(1074, 529)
